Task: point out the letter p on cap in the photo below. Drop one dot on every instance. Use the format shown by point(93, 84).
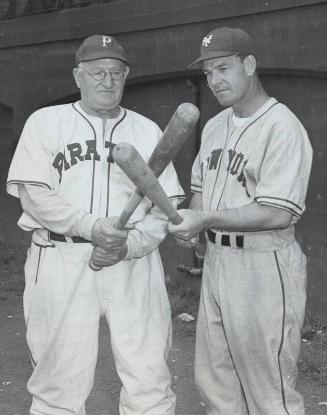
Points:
point(106, 40)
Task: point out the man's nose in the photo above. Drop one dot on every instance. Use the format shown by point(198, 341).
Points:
point(108, 81)
point(215, 78)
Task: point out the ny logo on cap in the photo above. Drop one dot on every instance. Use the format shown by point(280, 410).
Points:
point(207, 40)
point(106, 40)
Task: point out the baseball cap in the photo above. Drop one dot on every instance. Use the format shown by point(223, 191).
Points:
point(100, 47)
point(225, 41)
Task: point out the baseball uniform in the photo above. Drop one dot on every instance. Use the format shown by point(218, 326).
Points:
point(254, 283)
point(66, 154)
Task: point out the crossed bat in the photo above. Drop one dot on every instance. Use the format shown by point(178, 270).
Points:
point(144, 176)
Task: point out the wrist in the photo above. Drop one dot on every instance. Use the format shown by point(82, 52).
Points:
point(86, 226)
point(206, 220)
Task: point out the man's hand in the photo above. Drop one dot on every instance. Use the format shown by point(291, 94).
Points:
point(102, 258)
point(106, 236)
point(193, 223)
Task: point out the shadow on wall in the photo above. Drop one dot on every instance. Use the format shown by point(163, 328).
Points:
point(10, 206)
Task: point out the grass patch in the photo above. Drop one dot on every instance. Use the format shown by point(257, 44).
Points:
point(183, 295)
point(12, 259)
point(313, 359)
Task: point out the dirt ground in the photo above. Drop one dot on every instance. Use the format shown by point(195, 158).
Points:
point(15, 369)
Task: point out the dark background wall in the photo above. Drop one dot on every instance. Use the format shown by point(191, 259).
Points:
point(161, 39)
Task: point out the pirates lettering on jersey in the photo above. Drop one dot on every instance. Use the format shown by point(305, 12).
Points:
point(236, 163)
point(76, 152)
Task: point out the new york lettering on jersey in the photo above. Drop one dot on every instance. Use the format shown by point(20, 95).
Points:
point(235, 164)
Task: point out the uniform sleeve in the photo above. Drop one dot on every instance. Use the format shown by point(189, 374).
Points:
point(170, 183)
point(45, 208)
point(32, 160)
point(148, 233)
point(285, 171)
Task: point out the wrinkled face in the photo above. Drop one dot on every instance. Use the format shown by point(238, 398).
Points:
point(228, 78)
point(101, 83)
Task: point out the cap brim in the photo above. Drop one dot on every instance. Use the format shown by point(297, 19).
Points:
point(96, 56)
point(211, 55)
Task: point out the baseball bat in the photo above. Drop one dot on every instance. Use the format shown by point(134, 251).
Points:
point(174, 136)
point(136, 169)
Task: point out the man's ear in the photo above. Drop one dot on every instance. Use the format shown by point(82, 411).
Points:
point(77, 77)
point(250, 64)
point(126, 72)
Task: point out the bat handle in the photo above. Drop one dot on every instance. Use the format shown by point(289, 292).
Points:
point(176, 219)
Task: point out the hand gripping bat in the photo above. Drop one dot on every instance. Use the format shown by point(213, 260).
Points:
point(174, 136)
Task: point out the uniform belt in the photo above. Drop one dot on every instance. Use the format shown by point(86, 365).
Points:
point(225, 240)
point(62, 238)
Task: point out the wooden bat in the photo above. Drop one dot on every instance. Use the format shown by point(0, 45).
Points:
point(174, 136)
point(136, 169)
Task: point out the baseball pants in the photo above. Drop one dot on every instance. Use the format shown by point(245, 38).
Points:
point(248, 331)
point(63, 302)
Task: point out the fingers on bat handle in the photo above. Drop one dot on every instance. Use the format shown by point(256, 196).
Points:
point(176, 220)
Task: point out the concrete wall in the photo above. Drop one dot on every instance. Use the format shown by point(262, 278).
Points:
point(161, 39)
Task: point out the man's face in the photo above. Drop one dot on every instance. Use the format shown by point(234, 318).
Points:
point(228, 78)
point(101, 95)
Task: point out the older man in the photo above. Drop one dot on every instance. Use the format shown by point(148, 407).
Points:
point(71, 192)
point(249, 181)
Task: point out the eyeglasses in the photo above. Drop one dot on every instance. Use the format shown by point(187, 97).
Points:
point(101, 75)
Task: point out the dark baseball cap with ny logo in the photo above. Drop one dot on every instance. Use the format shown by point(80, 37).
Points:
point(100, 47)
point(225, 41)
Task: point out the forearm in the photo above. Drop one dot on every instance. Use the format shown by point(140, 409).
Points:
point(147, 234)
point(196, 202)
point(249, 218)
point(54, 214)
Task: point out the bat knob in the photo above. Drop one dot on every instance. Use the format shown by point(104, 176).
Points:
point(123, 152)
point(93, 266)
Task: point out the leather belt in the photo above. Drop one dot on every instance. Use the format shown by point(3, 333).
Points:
point(225, 240)
point(62, 238)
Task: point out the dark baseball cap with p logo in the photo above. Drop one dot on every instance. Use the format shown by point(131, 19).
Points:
point(100, 47)
point(225, 41)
